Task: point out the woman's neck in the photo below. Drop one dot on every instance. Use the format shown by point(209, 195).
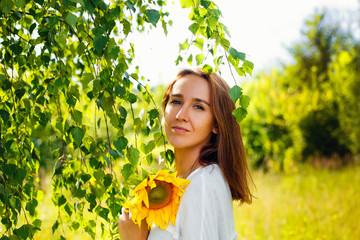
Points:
point(186, 161)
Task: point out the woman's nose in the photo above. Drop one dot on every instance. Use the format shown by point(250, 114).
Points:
point(182, 115)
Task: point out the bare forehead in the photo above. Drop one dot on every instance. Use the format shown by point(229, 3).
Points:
point(192, 86)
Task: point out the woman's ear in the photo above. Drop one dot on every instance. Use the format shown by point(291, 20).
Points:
point(215, 130)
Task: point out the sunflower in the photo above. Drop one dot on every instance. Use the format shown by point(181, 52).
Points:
point(157, 199)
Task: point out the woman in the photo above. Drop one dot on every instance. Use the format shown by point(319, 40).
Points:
point(209, 152)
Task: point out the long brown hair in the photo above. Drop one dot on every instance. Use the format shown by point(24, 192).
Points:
point(226, 147)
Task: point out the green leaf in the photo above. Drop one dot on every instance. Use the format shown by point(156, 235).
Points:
point(68, 209)
point(77, 116)
point(85, 177)
point(199, 58)
point(248, 66)
point(127, 170)
point(107, 160)
point(4, 115)
point(190, 59)
point(99, 174)
point(20, 3)
point(7, 223)
point(153, 113)
point(213, 20)
point(16, 48)
point(9, 169)
point(4, 195)
point(14, 203)
point(122, 111)
point(61, 201)
point(91, 198)
point(22, 232)
point(86, 78)
point(199, 42)
point(186, 3)
point(71, 19)
point(94, 163)
point(194, 28)
point(43, 119)
point(121, 143)
point(108, 180)
point(104, 212)
point(149, 146)
point(107, 104)
point(116, 11)
point(71, 101)
point(169, 156)
point(89, 5)
point(55, 226)
point(98, 31)
point(235, 93)
point(29, 189)
point(6, 6)
point(114, 52)
point(37, 223)
point(75, 225)
point(32, 27)
point(114, 120)
point(77, 134)
point(239, 114)
point(133, 155)
point(126, 26)
point(184, 45)
point(178, 60)
point(120, 91)
point(132, 98)
point(100, 44)
point(20, 93)
point(153, 16)
point(20, 175)
point(31, 206)
point(79, 193)
point(40, 2)
point(244, 101)
point(225, 43)
point(90, 231)
point(237, 55)
point(207, 69)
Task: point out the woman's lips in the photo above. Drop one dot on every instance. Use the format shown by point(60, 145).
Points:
point(179, 129)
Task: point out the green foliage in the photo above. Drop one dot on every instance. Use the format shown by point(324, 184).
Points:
point(300, 111)
point(344, 79)
point(70, 104)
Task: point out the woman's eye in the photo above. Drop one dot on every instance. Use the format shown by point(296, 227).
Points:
point(175, 102)
point(197, 106)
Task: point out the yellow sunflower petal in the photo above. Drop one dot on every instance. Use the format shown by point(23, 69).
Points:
point(141, 185)
point(157, 199)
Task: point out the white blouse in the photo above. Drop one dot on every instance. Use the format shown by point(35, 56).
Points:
point(205, 211)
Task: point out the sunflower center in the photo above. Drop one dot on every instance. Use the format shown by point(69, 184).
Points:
point(161, 195)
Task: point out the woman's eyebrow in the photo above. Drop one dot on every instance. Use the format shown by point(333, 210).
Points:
point(194, 99)
point(177, 95)
point(201, 101)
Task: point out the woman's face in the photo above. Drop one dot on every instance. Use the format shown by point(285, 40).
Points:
point(189, 120)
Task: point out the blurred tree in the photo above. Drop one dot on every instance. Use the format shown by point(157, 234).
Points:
point(308, 108)
point(345, 80)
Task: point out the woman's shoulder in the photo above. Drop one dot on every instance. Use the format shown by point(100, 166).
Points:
point(207, 179)
point(208, 172)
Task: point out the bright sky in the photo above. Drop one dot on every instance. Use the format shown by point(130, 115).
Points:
point(262, 29)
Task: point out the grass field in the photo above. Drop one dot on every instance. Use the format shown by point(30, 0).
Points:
point(312, 204)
